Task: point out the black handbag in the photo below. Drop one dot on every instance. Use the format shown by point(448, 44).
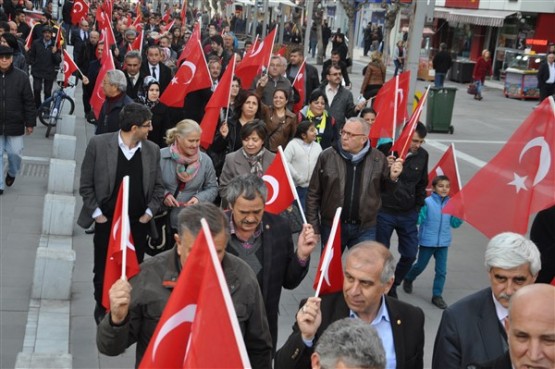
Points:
point(160, 237)
point(293, 216)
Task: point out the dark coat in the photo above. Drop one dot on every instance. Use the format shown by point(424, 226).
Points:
point(442, 62)
point(280, 267)
point(108, 121)
point(43, 61)
point(194, 105)
point(407, 328)
point(469, 332)
point(17, 105)
point(78, 42)
point(344, 72)
point(543, 74)
point(133, 91)
point(503, 362)
point(543, 235)
point(342, 106)
point(164, 78)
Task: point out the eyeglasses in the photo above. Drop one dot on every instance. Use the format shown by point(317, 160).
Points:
point(334, 74)
point(5, 57)
point(350, 134)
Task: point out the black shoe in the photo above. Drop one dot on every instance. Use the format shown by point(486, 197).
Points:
point(99, 313)
point(1, 192)
point(393, 292)
point(439, 302)
point(407, 286)
point(9, 180)
point(90, 230)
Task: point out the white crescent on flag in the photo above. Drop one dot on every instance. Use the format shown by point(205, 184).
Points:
point(192, 68)
point(187, 314)
point(75, 10)
point(272, 182)
point(66, 67)
point(543, 167)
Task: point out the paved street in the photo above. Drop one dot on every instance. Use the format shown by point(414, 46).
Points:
point(481, 127)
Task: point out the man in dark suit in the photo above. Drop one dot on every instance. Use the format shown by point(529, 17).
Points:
point(155, 68)
point(108, 158)
point(296, 58)
point(79, 37)
point(263, 240)
point(546, 77)
point(368, 276)
point(132, 62)
point(471, 330)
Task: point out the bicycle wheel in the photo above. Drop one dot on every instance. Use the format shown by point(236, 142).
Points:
point(66, 106)
point(44, 111)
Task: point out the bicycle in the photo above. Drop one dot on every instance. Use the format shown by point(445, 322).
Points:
point(53, 108)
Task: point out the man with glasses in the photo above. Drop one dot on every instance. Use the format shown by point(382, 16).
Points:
point(267, 84)
point(400, 208)
point(108, 158)
point(17, 114)
point(350, 175)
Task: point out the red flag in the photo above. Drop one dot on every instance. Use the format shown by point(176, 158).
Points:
point(447, 166)
point(282, 51)
point(107, 36)
point(79, 11)
point(167, 27)
point(58, 40)
point(138, 10)
point(184, 12)
point(69, 67)
point(101, 18)
point(218, 100)
point(299, 84)
point(114, 257)
point(198, 317)
point(384, 105)
point(29, 40)
point(190, 46)
point(402, 145)
point(259, 57)
point(107, 7)
point(138, 43)
point(98, 97)
point(280, 194)
point(329, 275)
point(517, 182)
point(192, 75)
point(167, 16)
point(137, 22)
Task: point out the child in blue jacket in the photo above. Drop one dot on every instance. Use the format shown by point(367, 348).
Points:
point(434, 238)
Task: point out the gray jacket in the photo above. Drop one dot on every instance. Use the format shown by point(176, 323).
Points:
point(341, 107)
point(204, 186)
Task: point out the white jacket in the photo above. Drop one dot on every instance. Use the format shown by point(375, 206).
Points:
point(301, 161)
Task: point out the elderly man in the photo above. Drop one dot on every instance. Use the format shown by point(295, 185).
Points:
point(17, 114)
point(264, 241)
point(471, 330)
point(136, 307)
point(266, 84)
point(530, 329)
point(368, 271)
point(546, 77)
point(108, 158)
point(349, 344)
point(350, 175)
point(114, 86)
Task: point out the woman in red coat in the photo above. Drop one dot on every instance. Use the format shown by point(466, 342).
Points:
point(481, 70)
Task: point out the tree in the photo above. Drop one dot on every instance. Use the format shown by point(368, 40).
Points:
point(350, 10)
point(392, 10)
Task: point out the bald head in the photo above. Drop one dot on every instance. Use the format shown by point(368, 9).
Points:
point(531, 327)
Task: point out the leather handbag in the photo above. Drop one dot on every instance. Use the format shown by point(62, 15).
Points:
point(472, 89)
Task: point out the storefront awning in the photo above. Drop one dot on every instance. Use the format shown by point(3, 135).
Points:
point(492, 18)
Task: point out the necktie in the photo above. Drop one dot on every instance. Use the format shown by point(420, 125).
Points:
point(154, 73)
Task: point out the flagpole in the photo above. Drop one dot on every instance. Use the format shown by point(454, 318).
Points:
point(271, 53)
point(329, 245)
point(456, 166)
point(416, 114)
point(291, 183)
point(395, 108)
point(299, 72)
point(124, 239)
point(231, 83)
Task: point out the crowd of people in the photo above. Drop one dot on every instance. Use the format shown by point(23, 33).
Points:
point(333, 164)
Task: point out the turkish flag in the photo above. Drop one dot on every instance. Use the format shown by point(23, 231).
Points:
point(517, 182)
point(138, 43)
point(116, 245)
point(167, 16)
point(29, 40)
point(402, 145)
point(282, 51)
point(329, 275)
point(184, 13)
point(101, 18)
point(280, 193)
point(190, 46)
point(199, 327)
point(167, 27)
point(218, 101)
point(107, 7)
point(138, 10)
point(384, 105)
point(69, 67)
point(192, 75)
point(446, 166)
point(107, 35)
point(58, 38)
point(79, 11)
point(137, 22)
point(300, 85)
point(98, 97)
point(259, 57)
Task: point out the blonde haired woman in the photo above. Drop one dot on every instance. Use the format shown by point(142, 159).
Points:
point(187, 173)
point(374, 76)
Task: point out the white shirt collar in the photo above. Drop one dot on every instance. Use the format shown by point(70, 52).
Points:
point(501, 311)
point(128, 152)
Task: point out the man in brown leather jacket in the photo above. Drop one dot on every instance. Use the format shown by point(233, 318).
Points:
point(350, 175)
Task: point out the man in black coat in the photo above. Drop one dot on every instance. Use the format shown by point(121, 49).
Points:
point(442, 62)
point(368, 275)
point(312, 82)
point(155, 68)
point(335, 60)
point(263, 240)
point(132, 63)
point(17, 114)
point(79, 37)
point(546, 77)
point(44, 58)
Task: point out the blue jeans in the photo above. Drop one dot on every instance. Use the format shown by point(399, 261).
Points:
point(398, 67)
point(439, 79)
point(424, 255)
point(350, 235)
point(479, 87)
point(405, 226)
point(13, 145)
point(302, 192)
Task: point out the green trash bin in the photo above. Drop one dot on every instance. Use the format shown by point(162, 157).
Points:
point(439, 110)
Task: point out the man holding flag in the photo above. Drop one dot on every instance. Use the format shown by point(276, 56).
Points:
point(108, 158)
point(44, 57)
point(128, 321)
